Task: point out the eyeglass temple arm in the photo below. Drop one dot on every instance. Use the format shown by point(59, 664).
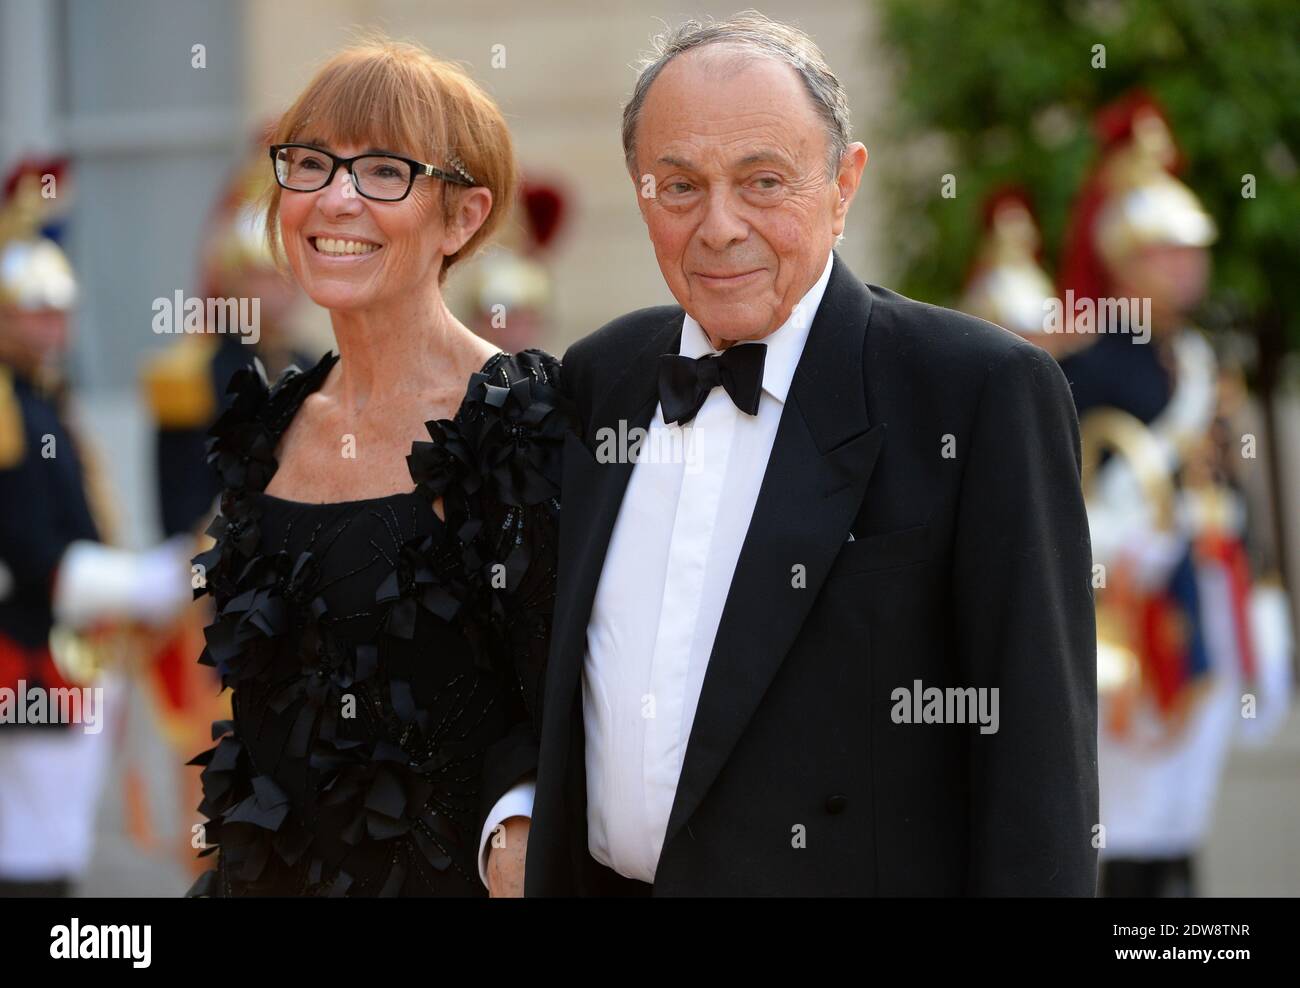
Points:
point(460, 176)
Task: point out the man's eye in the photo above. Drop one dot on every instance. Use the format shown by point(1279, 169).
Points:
point(679, 188)
point(767, 183)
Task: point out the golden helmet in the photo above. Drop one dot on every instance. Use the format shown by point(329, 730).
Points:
point(34, 272)
point(1007, 285)
point(1145, 204)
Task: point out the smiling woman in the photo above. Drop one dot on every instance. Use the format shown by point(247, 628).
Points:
point(383, 601)
point(397, 98)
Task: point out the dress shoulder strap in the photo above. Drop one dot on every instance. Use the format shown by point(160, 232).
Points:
point(291, 389)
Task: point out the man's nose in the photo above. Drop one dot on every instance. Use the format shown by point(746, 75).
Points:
point(340, 197)
point(721, 226)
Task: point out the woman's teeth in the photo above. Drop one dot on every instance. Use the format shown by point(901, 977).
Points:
point(327, 246)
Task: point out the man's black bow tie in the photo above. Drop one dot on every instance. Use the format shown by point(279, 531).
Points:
point(685, 382)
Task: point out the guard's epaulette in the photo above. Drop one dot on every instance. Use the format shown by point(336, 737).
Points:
point(12, 444)
point(178, 384)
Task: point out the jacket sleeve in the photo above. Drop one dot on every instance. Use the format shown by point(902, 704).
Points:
point(1023, 605)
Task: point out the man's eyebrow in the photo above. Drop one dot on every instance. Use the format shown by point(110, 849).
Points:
point(668, 159)
point(759, 157)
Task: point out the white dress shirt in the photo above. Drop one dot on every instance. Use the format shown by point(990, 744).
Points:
point(667, 572)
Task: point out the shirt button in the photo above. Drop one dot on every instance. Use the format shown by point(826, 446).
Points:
point(836, 803)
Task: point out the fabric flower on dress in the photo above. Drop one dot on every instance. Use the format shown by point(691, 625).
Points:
point(246, 812)
point(413, 585)
point(242, 448)
point(518, 434)
point(329, 669)
point(378, 784)
point(445, 468)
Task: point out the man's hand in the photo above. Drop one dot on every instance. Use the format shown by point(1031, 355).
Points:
point(507, 848)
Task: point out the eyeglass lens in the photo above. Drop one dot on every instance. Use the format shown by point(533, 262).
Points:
point(377, 176)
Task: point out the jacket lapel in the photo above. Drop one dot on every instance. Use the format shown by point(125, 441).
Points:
point(816, 477)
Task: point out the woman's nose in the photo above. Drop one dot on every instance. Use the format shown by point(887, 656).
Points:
point(340, 197)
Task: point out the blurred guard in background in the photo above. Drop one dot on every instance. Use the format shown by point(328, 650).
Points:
point(509, 292)
point(65, 597)
point(185, 383)
point(1007, 284)
point(1191, 649)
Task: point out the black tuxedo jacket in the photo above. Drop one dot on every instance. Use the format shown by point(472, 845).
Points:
point(949, 449)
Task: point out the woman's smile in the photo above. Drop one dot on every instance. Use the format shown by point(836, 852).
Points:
point(346, 249)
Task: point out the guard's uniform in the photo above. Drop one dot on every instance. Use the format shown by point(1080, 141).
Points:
point(184, 382)
point(43, 510)
point(1179, 613)
point(50, 773)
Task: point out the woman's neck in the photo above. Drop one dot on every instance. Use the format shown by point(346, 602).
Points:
point(390, 353)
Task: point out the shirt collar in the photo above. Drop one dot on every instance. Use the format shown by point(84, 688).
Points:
point(784, 347)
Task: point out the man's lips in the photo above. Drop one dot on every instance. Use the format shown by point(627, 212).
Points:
point(722, 280)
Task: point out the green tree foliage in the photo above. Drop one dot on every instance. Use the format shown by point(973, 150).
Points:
point(1011, 87)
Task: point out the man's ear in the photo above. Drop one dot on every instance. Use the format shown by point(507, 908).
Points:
point(852, 163)
point(470, 213)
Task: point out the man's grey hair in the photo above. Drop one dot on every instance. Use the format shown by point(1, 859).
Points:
point(758, 36)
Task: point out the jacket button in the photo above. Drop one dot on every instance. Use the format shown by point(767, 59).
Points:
point(836, 803)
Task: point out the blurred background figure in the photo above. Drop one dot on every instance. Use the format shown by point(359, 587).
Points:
point(1189, 435)
point(1194, 648)
point(1191, 648)
point(185, 382)
point(74, 612)
point(510, 296)
point(1007, 284)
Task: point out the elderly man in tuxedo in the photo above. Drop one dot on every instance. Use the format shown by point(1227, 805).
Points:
point(838, 639)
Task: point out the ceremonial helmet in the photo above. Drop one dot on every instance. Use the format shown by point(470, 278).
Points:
point(514, 274)
point(236, 246)
point(1131, 199)
point(1007, 285)
point(35, 274)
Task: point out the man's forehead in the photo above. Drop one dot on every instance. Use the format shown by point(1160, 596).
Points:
point(754, 105)
point(719, 73)
point(741, 155)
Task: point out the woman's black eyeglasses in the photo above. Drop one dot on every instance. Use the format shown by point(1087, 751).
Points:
point(384, 177)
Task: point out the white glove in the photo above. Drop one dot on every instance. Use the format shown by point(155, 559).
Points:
point(97, 582)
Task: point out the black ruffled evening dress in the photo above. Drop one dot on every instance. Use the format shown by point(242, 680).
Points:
point(385, 665)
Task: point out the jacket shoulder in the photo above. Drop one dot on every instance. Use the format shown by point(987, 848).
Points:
point(913, 348)
point(622, 332)
point(932, 332)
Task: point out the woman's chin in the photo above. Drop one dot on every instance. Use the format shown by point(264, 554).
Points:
point(339, 297)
